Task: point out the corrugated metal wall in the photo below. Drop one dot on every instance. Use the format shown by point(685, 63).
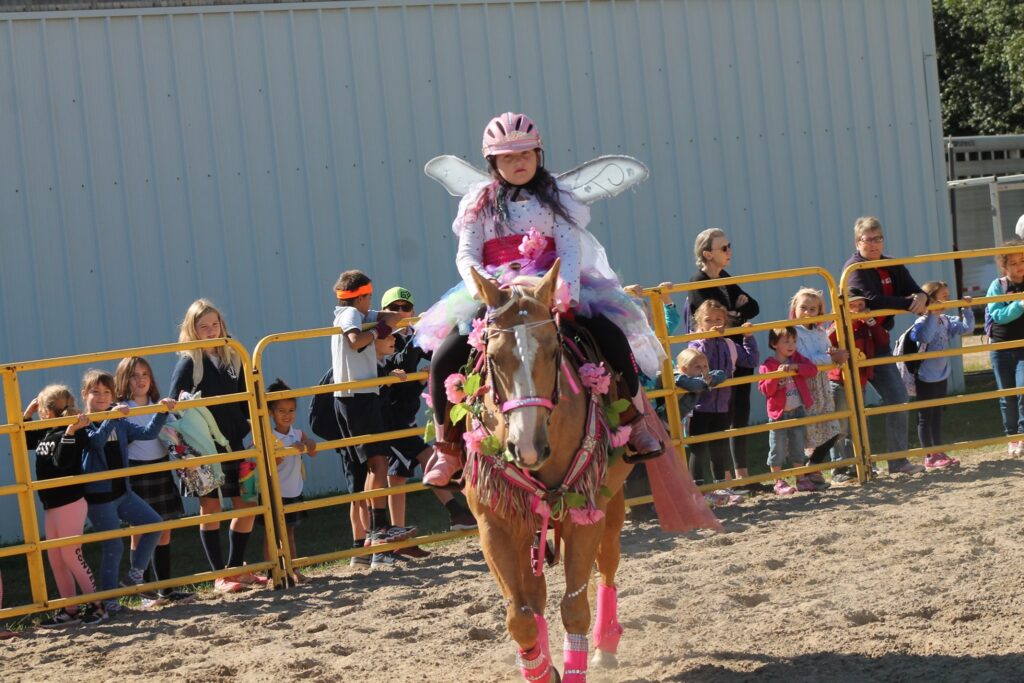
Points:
point(249, 154)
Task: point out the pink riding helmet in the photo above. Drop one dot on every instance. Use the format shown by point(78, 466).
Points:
point(510, 132)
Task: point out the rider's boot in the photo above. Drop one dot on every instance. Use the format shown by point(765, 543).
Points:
point(645, 445)
point(448, 457)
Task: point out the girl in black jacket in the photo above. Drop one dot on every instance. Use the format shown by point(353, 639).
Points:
point(59, 454)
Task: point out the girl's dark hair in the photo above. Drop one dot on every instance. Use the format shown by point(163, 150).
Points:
point(122, 387)
point(543, 186)
point(277, 385)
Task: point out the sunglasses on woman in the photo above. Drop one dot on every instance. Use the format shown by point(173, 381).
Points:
point(400, 307)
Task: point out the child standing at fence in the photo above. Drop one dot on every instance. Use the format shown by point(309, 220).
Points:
point(112, 501)
point(812, 343)
point(711, 412)
point(868, 335)
point(59, 454)
point(215, 372)
point(354, 358)
point(289, 467)
point(401, 405)
point(788, 398)
point(936, 330)
point(134, 385)
point(1004, 321)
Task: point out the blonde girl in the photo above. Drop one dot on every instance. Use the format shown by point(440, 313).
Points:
point(216, 372)
point(134, 385)
point(59, 454)
point(1004, 321)
point(812, 343)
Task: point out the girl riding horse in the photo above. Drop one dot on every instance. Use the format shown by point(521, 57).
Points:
point(517, 223)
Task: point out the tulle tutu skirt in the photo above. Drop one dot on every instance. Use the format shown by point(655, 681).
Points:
point(598, 296)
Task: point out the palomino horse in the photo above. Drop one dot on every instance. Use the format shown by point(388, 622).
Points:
point(535, 407)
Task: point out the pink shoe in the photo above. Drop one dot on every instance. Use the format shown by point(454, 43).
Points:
point(782, 488)
point(442, 466)
point(645, 445)
point(937, 461)
point(805, 484)
point(226, 586)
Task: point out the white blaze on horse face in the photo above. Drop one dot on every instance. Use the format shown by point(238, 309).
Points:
point(525, 426)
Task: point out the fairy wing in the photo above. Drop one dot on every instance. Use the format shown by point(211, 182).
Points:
point(604, 177)
point(455, 174)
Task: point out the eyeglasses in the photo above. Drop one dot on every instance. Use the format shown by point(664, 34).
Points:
point(877, 239)
point(403, 307)
point(726, 247)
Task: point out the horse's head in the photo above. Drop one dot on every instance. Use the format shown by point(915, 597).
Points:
point(523, 356)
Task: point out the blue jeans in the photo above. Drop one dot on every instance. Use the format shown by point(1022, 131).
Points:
point(108, 516)
point(889, 385)
point(1008, 367)
point(787, 445)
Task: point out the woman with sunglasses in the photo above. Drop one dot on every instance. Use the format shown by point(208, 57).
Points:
point(713, 252)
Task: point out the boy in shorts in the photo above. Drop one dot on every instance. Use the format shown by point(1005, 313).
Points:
point(354, 358)
point(401, 405)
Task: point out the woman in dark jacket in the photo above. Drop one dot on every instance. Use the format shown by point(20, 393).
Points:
point(713, 252)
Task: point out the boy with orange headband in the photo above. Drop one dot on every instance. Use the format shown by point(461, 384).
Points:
point(354, 358)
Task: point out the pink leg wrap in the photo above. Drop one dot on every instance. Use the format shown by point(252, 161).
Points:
point(575, 658)
point(535, 663)
point(606, 623)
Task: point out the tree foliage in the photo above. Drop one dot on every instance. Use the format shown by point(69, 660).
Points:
point(980, 47)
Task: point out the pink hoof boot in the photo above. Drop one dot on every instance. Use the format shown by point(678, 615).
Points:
point(574, 658)
point(535, 663)
point(442, 466)
point(607, 630)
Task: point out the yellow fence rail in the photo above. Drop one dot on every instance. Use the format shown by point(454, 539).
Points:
point(264, 450)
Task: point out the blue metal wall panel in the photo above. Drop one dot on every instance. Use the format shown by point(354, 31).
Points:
point(251, 153)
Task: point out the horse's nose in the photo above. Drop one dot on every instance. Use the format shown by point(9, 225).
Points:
point(529, 458)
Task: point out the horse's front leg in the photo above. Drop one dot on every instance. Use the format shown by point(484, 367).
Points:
point(581, 543)
point(607, 630)
point(507, 551)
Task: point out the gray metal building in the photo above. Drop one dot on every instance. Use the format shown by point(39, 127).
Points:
point(249, 153)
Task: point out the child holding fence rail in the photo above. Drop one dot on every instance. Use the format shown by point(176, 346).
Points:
point(812, 342)
point(401, 405)
point(134, 385)
point(935, 330)
point(788, 398)
point(59, 454)
point(1004, 321)
point(868, 335)
point(215, 372)
point(112, 501)
point(354, 357)
point(711, 413)
point(289, 467)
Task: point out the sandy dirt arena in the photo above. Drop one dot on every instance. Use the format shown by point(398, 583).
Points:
point(905, 579)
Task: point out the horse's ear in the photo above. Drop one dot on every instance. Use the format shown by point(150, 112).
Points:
point(545, 290)
point(489, 292)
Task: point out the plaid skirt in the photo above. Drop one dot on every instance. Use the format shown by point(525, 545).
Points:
point(158, 489)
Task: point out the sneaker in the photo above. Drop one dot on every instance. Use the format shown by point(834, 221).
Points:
point(722, 498)
point(61, 618)
point(359, 561)
point(1015, 448)
point(174, 595)
point(111, 607)
point(909, 468)
point(94, 615)
point(841, 478)
point(382, 560)
point(463, 520)
point(782, 488)
point(805, 484)
point(250, 579)
point(937, 461)
point(819, 480)
point(227, 586)
point(152, 600)
point(413, 552)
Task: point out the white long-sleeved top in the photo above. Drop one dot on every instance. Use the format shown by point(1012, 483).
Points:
point(813, 344)
point(523, 215)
